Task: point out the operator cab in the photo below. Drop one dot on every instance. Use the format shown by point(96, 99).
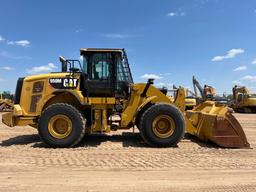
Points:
point(104, 72)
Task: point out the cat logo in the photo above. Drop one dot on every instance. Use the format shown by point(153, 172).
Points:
point(63, 83)
point(70, 83)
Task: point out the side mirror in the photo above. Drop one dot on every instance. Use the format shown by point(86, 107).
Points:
point(64, 66)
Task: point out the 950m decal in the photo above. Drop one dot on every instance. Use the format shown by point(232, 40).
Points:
point(63, 83)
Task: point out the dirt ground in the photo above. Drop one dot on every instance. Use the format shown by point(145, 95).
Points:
point(122, 162)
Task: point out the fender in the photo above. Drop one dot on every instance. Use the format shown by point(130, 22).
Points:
point(148, 100)
point(42, 104)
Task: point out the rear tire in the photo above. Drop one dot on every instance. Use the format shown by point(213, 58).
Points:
point(162, 125)
point(61, 125)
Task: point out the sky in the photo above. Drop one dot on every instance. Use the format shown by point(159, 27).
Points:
point(169, 40)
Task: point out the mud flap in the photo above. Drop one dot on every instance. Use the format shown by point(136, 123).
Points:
point(215, 122)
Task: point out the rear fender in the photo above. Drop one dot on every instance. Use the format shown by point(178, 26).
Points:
point(148, 102)
point(59, 96)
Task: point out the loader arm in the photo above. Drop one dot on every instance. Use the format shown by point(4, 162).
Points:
point(138, 100)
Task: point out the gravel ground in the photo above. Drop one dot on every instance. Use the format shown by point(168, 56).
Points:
point(123, 162)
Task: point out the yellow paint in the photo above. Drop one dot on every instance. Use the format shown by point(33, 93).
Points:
point(60, 126)
point(242, 99)
point(199, 121)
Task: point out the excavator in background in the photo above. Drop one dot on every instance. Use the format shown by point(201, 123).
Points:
point(5, 104)
point(207, 93)
point(85, 97)
point(243, 101)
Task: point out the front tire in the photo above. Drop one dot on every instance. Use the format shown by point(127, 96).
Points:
point(61, 125)
point(162, 125)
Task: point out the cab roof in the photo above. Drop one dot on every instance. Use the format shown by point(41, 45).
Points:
point(83, 50)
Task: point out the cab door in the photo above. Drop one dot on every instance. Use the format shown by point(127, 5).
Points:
point(100, 81)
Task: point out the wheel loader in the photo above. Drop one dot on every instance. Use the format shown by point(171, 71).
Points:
point(243, 101)
point(87, 96)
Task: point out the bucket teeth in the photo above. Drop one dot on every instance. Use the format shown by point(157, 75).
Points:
point(214, 122)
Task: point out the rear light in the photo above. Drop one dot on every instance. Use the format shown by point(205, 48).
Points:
point(38, 87)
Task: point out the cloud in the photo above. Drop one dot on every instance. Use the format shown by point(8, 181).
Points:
point(150, 76)
point(230, 54)
point(41, 69)
point(117, 35)
point(78, 30)
point(172, 14)
point(253, 61)
point(241, 68)
point(164, 74)
point(162, 84)
point(2, 39)
point(7, 68)
point(22, 43)
point(249, 78)
point(237, 82)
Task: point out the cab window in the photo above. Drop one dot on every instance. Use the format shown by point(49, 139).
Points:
point(100, 66)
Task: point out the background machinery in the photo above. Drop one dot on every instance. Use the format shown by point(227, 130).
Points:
point(65, 105)
point(243, 101)
point(6, 104)
point(190, 99)
point(207, 93)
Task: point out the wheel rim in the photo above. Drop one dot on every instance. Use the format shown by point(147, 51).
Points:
point(60, 126)
point(163, 126)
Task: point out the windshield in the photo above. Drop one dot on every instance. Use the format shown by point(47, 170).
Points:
point(97, 65)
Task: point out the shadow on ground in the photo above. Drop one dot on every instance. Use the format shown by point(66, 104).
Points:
point(128, 139)
point(21, 140)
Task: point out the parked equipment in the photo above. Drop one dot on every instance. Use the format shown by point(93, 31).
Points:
point(243, 100)
point(208, 93)
point(190, 100)
point(64, 106)
point(5, 104)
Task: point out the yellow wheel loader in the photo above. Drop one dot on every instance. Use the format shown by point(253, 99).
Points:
point(65, 105)
point(243, 100)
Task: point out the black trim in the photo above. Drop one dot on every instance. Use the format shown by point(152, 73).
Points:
point(150, 82)
point(18, 90)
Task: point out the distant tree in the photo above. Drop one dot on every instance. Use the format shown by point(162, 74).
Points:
point(7, 95)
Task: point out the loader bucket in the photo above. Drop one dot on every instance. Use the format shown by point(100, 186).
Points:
point(214, 122)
